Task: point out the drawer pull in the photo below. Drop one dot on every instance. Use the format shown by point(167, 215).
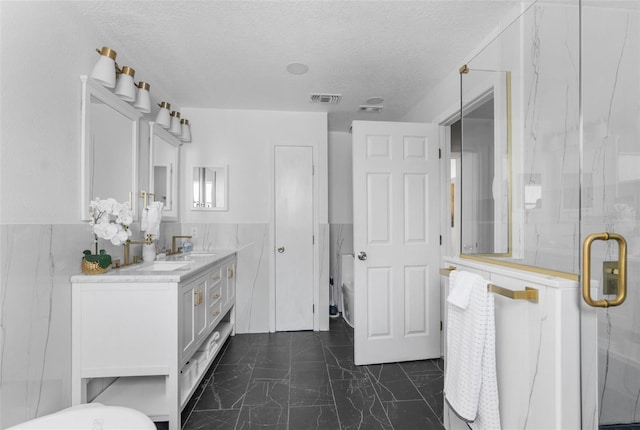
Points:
point(230, 272)
point(198, 295)
point(216, 296)
point(216, 278)
point(215, 313)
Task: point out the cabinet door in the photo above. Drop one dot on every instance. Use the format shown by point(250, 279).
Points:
point(187, 311)
point(200, 308)
point(230, 291)
point(193, 315)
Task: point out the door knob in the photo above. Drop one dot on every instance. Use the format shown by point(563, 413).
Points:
point(362, 255)
point(281, 249)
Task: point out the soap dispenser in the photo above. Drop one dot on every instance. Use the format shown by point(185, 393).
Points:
point(187, 246)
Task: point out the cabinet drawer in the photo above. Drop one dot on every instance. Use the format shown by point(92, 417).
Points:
point(214, 314)
point(215, 277)
point(214, 294)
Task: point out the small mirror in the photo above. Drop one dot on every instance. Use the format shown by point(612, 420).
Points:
point(210, 187)
point(109, 147)
point(164, 156)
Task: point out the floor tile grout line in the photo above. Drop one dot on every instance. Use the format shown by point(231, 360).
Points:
point(333, 394)
point(244, 396)
point(422, 395)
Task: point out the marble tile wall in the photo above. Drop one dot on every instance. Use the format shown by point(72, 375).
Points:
point(341, 237)
point(252, 282)
point(35, 301)
point(35, 316)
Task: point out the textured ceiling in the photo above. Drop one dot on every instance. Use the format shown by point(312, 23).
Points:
point(233, 54)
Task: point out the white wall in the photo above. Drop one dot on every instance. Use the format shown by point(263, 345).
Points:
point(42, 55)
point(340, 178)
point(244, 140)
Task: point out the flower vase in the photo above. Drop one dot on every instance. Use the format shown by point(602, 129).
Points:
point(96, 264)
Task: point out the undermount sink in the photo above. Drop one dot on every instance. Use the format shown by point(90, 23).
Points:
point(163, 266)
point(191, 256)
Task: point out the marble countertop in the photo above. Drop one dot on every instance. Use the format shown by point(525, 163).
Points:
point(174, 268)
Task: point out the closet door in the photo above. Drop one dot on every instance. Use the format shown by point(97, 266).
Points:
point(294, 237)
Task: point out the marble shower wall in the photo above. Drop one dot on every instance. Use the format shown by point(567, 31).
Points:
point(611, 193)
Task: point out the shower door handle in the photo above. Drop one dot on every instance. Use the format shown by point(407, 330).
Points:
point(622, 270)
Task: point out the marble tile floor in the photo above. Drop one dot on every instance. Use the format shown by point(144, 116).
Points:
point(307, 380)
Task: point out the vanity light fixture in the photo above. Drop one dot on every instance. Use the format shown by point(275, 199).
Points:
point(175, 123)
point(105, 69)
point(185, 132)
point(143, 98)
point(125, 88)
point(163, 119)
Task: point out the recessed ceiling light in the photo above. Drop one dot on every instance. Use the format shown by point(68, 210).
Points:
point(375, 100)
point(297, 68)
point(369, 108)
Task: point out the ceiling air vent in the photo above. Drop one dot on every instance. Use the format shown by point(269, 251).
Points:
point(325, 98)
point(369, 108)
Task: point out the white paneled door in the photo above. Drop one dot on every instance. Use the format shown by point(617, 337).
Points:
point(396, 241)
point(293, 169)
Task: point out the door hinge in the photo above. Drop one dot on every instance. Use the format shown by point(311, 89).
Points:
point(313, 169)
point(439, 153)
point(440, 239)
point(440, 325)
point(313, 240)
point(313, 309)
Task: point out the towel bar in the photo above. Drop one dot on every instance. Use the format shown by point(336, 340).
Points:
point(529, 293)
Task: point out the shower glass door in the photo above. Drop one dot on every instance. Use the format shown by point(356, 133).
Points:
point(610, 203)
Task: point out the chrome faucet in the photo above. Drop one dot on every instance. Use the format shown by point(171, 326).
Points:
point(173, 243)
point(147, 241)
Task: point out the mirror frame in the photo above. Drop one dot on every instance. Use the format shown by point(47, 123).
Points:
point(91, 88)
point(225, 169)
point(500, 89)
point(156, 131)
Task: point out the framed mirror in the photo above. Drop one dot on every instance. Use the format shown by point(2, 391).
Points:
point(164, 162)
point(109, 147)
point(210, 188)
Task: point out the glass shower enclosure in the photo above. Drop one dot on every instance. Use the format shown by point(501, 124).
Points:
point(549, 176)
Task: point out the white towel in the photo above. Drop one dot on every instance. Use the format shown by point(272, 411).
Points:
point(151, 217)
point(470, 383)
point(460, 285)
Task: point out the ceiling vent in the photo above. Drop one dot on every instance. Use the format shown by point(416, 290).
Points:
point(326, 98)
point(369, 108)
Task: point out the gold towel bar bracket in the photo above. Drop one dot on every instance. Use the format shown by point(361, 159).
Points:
point(529, 293)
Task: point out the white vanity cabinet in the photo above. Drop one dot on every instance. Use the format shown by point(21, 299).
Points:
point(150, 336)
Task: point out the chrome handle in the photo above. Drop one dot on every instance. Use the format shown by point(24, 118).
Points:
point(230, 273)
point(281, 249)
point(622, 270)
point(362, 255)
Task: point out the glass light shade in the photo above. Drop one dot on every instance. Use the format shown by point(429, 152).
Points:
point(163, 119)
point(105, 69)
point(143, 98)
point(125, 88)
point(175, 123)
point(185, 130)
